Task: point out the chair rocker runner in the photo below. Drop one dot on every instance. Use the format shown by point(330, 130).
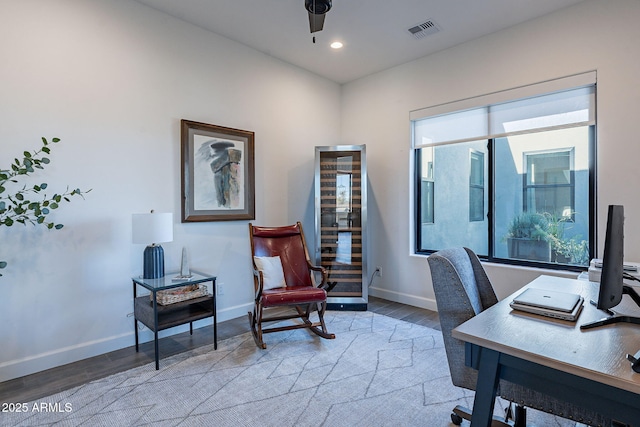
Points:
point(284, 278)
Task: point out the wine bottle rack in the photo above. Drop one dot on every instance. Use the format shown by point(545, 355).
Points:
point(341, 223)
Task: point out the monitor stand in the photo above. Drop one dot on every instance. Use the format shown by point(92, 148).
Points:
point(616, 318)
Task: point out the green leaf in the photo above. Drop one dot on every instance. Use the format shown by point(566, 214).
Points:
point(17, 206)
point(3, 264)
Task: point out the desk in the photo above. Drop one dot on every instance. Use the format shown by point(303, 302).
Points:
point(157, 318)
point(587, 368)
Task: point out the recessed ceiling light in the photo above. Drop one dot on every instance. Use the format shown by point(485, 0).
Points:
point(336, 45)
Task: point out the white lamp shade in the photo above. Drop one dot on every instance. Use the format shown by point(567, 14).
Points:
point(152, 228)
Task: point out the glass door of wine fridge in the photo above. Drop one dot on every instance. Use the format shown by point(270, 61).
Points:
point(341, 216)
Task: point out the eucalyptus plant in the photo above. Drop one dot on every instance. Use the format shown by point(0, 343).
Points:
point(29, 204)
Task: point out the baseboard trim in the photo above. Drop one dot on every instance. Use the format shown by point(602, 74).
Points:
point(28, 365)
point(414, 300)
point(40, 362)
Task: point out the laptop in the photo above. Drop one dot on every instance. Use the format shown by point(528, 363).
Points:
point(556, 304)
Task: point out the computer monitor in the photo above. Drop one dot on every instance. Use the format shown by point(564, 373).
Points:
point(612, 286)
point(611, 283)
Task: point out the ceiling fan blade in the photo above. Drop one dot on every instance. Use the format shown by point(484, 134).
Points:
point(316, 22)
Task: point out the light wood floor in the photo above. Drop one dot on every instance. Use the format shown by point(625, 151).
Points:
point(42, 384)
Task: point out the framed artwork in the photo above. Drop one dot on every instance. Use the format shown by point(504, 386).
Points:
point(218, 174)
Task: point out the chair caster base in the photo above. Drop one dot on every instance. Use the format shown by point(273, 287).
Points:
point(460, 413)
point(456, 419)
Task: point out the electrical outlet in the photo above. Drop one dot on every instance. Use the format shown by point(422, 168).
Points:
point(379, 271)
point(220, 289)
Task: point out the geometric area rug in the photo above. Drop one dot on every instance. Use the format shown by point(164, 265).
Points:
point(378, 371)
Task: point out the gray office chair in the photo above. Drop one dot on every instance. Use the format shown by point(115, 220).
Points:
point(463, 290)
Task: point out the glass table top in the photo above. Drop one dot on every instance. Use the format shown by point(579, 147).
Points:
point(171, 280)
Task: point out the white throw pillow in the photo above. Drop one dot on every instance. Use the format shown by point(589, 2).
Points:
point(272, 272)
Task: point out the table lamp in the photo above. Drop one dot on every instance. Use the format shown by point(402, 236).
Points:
point(152, 229)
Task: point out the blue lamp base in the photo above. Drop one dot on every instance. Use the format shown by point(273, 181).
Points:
point(153, 261)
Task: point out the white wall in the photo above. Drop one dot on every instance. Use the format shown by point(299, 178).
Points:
point(593, 35)
point(112, 79)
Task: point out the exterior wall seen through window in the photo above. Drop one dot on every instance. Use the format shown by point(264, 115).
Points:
point(541, 196)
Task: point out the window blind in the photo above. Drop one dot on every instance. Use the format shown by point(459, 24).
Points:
point(565, 102)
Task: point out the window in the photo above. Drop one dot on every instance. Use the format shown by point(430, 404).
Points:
point(549, 183)
point(476, 186)
point(426, 186)
point(523, 169)
point(452, 225)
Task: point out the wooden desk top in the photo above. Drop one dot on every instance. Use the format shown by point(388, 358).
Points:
point(597, 354)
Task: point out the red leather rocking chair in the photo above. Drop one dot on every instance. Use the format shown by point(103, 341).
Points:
point(298, 292)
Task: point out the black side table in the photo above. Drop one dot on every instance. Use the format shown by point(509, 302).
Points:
point(159, 317)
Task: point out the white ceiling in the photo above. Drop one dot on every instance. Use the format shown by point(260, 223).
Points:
point(374, 32)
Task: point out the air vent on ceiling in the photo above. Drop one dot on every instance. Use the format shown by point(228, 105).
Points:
point(425, 29)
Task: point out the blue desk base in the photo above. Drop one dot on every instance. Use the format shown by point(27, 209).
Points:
point(612, 402)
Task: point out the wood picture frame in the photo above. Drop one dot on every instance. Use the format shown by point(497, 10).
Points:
point(218, 173)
